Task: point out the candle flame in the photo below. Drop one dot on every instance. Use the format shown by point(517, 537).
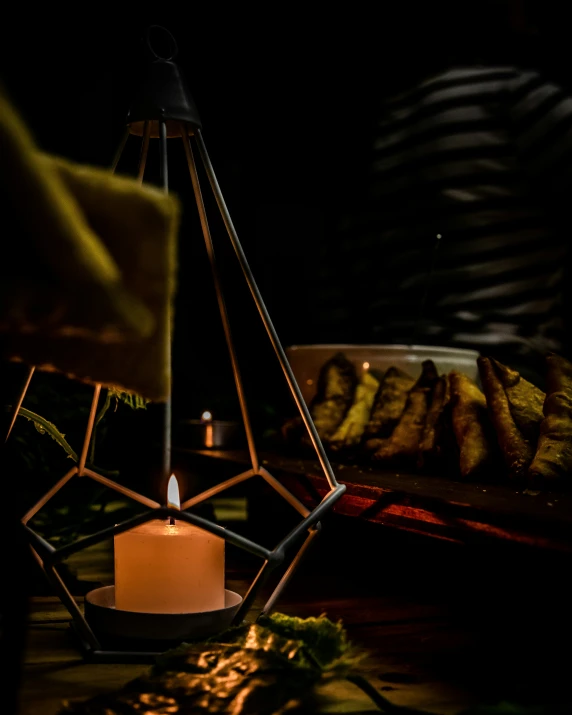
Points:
point(206, 416)
point(173, 497)
point(366, 366)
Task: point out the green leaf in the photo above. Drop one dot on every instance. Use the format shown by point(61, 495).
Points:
point(131, 399)
point(45, 427)
point(326, 640)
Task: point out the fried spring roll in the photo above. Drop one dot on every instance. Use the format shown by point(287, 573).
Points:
point(525, 400)
point(471, 426)
point(553, 458)
point(559, 374)
point(335, 393)
point(389, 403)
point(516, 449)
point(430, 446)
point(402, 447)
point(351, 430)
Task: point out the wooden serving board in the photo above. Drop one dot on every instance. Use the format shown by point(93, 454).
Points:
point(432, 505)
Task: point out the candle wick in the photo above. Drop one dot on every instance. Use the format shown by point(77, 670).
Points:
point(171, 521)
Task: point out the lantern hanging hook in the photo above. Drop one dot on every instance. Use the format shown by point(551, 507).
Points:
point(168, 40)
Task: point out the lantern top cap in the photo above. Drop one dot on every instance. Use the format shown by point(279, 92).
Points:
point(162, 93)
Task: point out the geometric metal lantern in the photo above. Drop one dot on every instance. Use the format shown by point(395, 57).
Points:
point(164, 109)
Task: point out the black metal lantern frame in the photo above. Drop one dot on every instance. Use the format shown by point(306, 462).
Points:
point(164, 109)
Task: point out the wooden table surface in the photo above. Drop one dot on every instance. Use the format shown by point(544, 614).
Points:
point(54, 671)
point(446, 624)
point(445, 627)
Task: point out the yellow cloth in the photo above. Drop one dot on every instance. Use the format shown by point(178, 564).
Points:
point(88, 272)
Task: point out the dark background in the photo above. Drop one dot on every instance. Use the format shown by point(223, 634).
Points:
point(287, 96)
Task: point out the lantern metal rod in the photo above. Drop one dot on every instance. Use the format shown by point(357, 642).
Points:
point(144, 151)
point(164, 513)
point(275, 595)
point(119, 656)
point(65, 596)
point(315, 516)
point(164, 164)
point(284, 493)
point(220, 297)
point(119, 151)
point(81, 624)
point(89, 473)
point(89, 429)
point(259, 581)
point(121, 489)
point(262, 472)
point(207, 494)
point(167, 406)
point(226, 534)
point(270, 329)
point(48, 495)
point(68, 549)
point(37, 558)
point(89, 642)
point(18, 402)
point(40, 544)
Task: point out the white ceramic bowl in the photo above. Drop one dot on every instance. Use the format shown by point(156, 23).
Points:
point(307, 360)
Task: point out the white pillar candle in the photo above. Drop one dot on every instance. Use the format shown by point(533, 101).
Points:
point(169, 568)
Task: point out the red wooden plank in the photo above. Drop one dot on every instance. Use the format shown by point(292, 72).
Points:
point(435, 506)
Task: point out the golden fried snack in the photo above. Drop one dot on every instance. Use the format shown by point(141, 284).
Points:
point(335, 392)
point(525, 400)
point(559, 374)
point(402, 446)
point(471, 425)
point(516, 449)
point(389, 403)
point(430, 446)
point(553, 458)
point(350, 431)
